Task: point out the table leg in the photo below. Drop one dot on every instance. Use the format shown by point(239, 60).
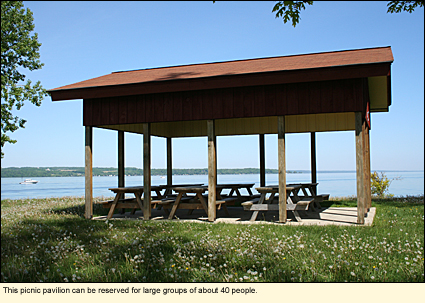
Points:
point(296, 214)
point(167, 192)
point(202, 200)
point(315, 204)
point(249, 191)
point(312, 190)
point(203, 203)
point(261, 201)
point(139, 201)
point(175, 205)
point(226, 211)
point(114, 204)
point(122, 210)
point(238, 193)
point(159, 194)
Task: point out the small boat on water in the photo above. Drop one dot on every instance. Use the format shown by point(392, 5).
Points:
point(29, 181)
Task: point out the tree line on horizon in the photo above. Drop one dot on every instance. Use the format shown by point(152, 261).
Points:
point(33, 172)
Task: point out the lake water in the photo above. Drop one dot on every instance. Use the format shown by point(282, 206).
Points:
point(335, 183)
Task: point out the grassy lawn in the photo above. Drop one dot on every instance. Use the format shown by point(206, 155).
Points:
point(48, 240)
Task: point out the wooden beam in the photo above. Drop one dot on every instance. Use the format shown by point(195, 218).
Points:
point(313, 159)
point(121, 165)
point(212, 170)
point(262, 161)
point(146, 171)
point(89, 173)
point(281, 168)
point(169, 162)
point(360, 174)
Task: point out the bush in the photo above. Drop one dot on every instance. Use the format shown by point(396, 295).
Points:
point(380, 184)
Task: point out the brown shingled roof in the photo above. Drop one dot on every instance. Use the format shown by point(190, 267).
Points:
point(240, 67)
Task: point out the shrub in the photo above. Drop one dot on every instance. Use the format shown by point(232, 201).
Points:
point(380, 184)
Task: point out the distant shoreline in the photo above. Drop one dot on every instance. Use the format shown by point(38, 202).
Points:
point(38, 172)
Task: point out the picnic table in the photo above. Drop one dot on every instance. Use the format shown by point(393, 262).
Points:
point(309, 190)
point(169, 188)
point(197, 201)
point(235, 189)
point(120, 202)
point(294, 203)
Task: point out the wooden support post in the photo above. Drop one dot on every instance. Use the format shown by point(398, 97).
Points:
point(368, 181)
point(146, 171)
point(215, 147)
point(281, 168)
point(360, 174)
point(121, 165)
point(262, 161)
point(212, 171)
point(313, 159)
point(89, 173)
point(169, 162)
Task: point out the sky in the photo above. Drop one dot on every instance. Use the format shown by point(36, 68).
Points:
point(83, 40)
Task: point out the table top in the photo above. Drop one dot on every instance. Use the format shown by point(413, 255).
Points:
point(193, 189)
point(242, 185)
point(235, 186)
point(275, 188)
point(180, 185)
point(303, 184)
point(131, 189)
point(179, 188)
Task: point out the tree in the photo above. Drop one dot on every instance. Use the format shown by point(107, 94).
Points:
point(380, 184)
point(19, 51)
point(290, 10)
point(403, 6)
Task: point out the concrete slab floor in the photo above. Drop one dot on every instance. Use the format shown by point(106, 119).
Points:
point(344, 216)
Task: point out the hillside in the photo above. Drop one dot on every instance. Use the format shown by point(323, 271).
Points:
point(34, 172)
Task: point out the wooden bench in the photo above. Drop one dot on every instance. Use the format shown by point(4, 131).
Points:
point(166, 201)
point(302, 204)
point(227, 200)
point(122, 203)
point(224, 199)
point(192, 206)
point(253, 201)
point(323, 197)
point(131, 202)
point(315, 204)
point(318, 199)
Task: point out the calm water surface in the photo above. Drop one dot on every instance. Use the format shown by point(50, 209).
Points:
point(335, 183)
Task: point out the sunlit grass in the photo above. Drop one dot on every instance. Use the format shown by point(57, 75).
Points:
point(48, 240)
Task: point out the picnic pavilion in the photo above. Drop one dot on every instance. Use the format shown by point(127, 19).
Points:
point(307, 93)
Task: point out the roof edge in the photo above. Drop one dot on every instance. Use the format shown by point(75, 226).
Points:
point(254, 59)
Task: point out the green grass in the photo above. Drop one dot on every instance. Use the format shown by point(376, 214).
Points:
point(48, 240)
